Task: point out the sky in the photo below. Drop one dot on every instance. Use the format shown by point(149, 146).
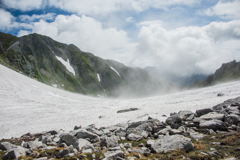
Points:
point(182, 37)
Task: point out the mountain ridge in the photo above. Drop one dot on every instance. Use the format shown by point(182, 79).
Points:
point(48, 61)
point(227, 72)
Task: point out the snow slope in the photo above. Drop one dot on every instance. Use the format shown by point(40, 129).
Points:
point(29, 106)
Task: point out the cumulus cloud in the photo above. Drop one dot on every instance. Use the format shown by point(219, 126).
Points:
point(23, 5)
point(34, 17)
point(6, 19)
point(89, 35)
point(225, 9)
point(188, 50)
point(23, 33)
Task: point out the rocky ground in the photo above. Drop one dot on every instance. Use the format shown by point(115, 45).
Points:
point(211, 133)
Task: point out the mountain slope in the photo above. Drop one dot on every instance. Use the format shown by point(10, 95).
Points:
point(227, 72)
point(30, 106)
point(67, 67)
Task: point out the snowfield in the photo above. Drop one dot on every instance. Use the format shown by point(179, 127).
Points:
point(27, 105)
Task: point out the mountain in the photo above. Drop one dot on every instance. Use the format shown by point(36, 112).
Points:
point(227, 72)
point(181, 80)
point(67, 67)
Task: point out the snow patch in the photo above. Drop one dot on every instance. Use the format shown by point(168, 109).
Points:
point(16, 43)
point(115, 71)
point(98, 77)
point(66, 64)
point(28, 105)
point(54, 85)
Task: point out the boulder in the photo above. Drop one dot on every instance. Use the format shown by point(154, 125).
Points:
point(109, 141)
point(80, 143)
point(134, 137)
point(82, 133)
point(184, 114)
point(52, 132)
point(14, 153)
point(6, 146)
point(173, 119)
point(34, 144)
point(232, 119)
point(170, 143)
point(68, 138)
point(66, 151)
point(204, 111)
point(144, 151)
point(197, 136)
point(113, 153)
point(212, 115)
point(47, 139)
point(213, 124)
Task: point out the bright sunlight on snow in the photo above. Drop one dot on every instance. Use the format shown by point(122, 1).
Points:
point(30, 106)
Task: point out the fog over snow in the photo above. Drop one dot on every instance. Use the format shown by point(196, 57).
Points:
point(27, 105)
point(183, 37)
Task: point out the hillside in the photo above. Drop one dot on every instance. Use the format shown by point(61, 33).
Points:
point(67, 67)
point(227, 72)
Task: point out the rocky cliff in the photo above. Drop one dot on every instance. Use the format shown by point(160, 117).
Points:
point(227, 72)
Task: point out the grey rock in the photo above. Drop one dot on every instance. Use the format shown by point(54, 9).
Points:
point(6, 146)
point(134, 124)
point(87, 150)
point(201, 112)
point(109, 141)
point(212, 115)
point(127, 110)
point(184, 114)
point(173, 119)
point(169, 143)
point(214, 153)
point(232, 119)
point(190, 118)
point(197, 136)
point(164, 131)
point(53, 132)
point(80, 143)
point(220, 94)
point(68, 138)
point(82, 133)
point(112, 155)
point(233, 158)
point(66, 151)
point(213, 124)
point(175, 131)
point(14, 153)
point(145, 151)
point(134, 137)
point(34, 144)
point(47, 139)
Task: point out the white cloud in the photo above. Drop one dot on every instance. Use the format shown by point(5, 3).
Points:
point(188, 50)
point(103, 7)
point(89, 35)
point(23, 33)
point(23, 5)
point(130, 20)
point(225, 9)
point(34, 17)
point(6, 19)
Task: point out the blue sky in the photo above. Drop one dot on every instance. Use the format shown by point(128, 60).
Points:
point(177, 36)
